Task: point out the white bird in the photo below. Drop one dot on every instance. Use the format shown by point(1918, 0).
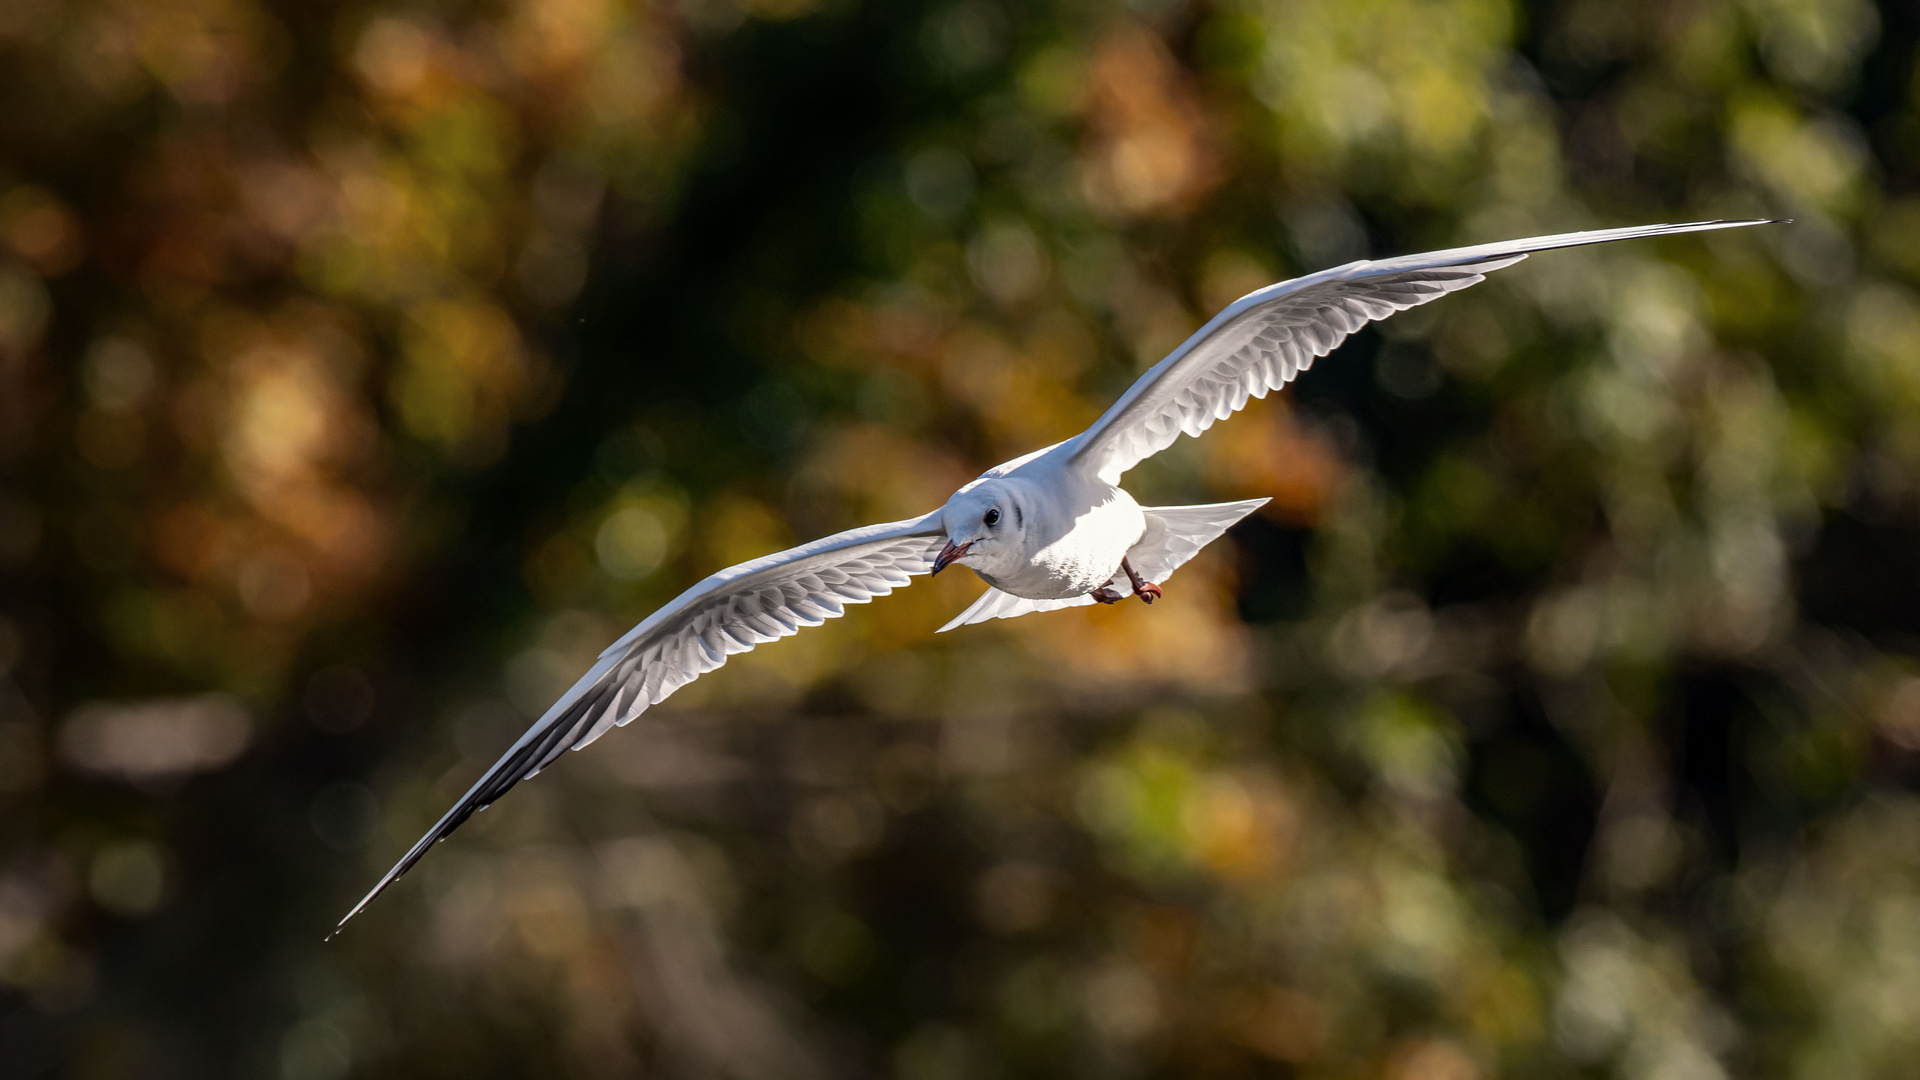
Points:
point(1049, 530)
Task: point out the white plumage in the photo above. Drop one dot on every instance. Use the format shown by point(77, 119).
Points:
point(1048, 530)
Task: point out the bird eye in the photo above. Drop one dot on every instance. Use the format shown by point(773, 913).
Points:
point(992, 518)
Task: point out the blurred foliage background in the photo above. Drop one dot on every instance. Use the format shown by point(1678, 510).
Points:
point(366, 367)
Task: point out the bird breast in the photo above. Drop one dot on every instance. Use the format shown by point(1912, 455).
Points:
point(1079, 554)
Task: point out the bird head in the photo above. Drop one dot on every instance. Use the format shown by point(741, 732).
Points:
point(984, 523)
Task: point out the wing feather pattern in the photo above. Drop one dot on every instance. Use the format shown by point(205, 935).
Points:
point(1266, 338)
point(729, 613)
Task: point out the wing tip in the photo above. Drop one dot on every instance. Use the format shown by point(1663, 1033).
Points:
point(361, 906)
point(965, 618)
point(1729, 223)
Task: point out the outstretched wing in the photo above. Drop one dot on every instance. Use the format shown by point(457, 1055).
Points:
point(1264, 339)
point(730, 612)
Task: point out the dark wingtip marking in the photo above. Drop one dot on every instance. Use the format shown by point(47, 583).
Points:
point(499, 780)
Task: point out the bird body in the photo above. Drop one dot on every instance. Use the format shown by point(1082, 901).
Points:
point(1048, 530)
point(1058, 530)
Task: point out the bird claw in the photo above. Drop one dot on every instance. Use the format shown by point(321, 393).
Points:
point(1146, 590)
point(1142, 588)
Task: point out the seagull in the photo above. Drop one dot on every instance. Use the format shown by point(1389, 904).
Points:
point(1052, 529)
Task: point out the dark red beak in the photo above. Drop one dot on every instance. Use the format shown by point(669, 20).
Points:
point(949, 553)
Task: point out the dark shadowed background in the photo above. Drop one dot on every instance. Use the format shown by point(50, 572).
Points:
point(365, 368)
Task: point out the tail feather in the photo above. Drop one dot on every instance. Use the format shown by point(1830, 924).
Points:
point(1177, 533)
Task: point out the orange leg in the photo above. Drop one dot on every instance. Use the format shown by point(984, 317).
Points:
point(1145, 590)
